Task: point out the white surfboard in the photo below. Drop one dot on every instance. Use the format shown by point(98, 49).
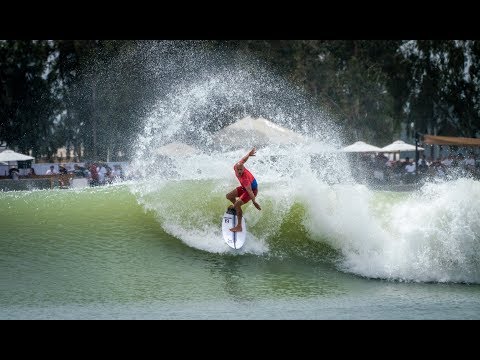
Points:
point(233, 239)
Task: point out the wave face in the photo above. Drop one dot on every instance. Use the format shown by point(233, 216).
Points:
point(426, 236)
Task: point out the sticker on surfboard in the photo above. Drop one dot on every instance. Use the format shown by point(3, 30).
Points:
point(233, 239)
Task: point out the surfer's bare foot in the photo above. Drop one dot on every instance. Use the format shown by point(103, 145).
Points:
point(236, 229)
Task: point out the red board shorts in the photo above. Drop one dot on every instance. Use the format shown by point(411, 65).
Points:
point(243, 194)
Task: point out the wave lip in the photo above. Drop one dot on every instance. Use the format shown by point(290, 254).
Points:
point(432, 235)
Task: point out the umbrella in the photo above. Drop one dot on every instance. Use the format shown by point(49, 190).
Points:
point(399, 145)
point(361, 146)
point(257, 132)
point(10, 155)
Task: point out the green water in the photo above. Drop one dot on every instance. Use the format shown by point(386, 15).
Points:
point(99, 254)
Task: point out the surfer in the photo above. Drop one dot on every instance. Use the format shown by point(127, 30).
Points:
point(246, 192)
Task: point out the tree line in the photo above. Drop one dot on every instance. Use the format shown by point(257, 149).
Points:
point(90, 95)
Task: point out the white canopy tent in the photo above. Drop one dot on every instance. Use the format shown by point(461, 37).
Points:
point(10, 155)
point(259, 132)
point(361, 147)
point(399, 146)
point(177, 149)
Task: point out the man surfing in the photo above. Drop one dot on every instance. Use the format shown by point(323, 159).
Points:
point(246, 192)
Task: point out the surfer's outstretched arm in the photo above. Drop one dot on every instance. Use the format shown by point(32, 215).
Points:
point(245, 158)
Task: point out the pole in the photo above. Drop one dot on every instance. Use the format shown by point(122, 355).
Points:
point(416, 153)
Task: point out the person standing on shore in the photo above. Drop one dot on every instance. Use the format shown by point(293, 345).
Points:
point(94, 179)
point(51, 171)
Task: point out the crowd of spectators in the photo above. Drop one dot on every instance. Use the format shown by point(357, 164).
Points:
point(95, 173)
point(381, 169)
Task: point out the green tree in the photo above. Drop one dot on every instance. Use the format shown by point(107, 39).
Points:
point(444, 87)
point(27, 105)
